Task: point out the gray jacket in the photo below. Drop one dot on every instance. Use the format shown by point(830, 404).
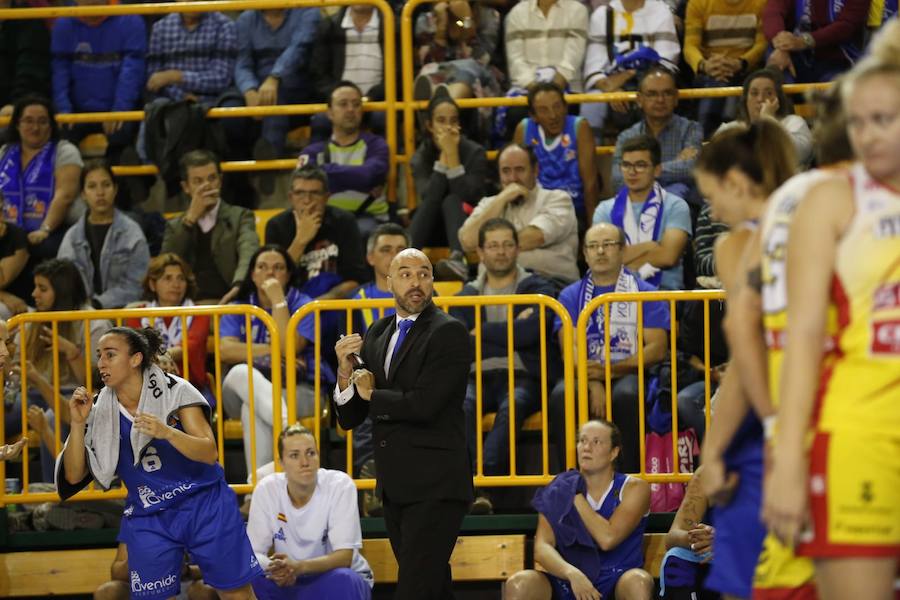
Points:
point(123, 260)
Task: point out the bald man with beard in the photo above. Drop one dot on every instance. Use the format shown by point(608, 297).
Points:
point(413, 387)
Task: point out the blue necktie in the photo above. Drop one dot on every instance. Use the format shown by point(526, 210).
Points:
point(404, 326)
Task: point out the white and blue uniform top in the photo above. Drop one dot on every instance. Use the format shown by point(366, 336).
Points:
point(558, 159)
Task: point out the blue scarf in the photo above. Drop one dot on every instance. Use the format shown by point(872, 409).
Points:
point(622, 315)
point(650, 221)
point(28, 194)
point(803, 15)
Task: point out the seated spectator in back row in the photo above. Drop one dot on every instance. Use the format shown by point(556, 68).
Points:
point(309, 517)
point(215, 238)
point(24, 58)
point(604, 252)
point(679, 138)
point(723, 43)
point(544, 219)
point(657, 224)
point(564, 146)
point(355, 161)
point(98, 66)
point(108, 248)
point(273, 49)
point(450, 172)
point(323, 241)
point(13, 258)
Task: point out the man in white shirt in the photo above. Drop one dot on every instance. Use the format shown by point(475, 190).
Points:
point(309, 516)
point(544, 219)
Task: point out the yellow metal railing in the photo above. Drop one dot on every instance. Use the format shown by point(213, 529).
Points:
point(603, 303)
point(118, 317)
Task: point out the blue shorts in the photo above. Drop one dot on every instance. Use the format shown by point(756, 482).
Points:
point(605, 584)
point(208, 526)
point(342, 583)
point(739, 531)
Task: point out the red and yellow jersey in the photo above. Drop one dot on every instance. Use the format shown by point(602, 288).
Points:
point(859, 388)
point(776, 223)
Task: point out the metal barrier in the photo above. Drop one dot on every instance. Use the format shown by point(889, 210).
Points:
point(603, 302)
point(119, 316)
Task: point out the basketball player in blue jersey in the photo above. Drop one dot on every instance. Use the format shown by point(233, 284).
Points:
point(564, 146)
point(149, 429)
point(590, 531)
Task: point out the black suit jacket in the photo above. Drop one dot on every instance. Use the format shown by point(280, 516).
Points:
point(417, 409)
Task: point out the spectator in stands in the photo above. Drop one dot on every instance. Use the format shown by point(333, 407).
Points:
point(108, 248)
point(39, 176)
point(657, 223)
point(58, 286)
point(545, 41)
point(13, 258)
point(763, 96)
point(98, 66)
point(498, 249)
point(814, 40)
point(679, 138)
point(564, 146)
point(544, 219)
point(355, 161)
point(323, 241)
point(689, 545)
point(192, 55)
point(590, 531)
point(309, 516)
point(267, 286)
point(707, 232)
point(119, 586)
point(450, 171)
point(643, 37)
point(723, 43)
point(350, 47)
point(273, 51)
point(215, 238)
point(170, 283)
point(456, 42)
point(604, 252)
point(24, 59)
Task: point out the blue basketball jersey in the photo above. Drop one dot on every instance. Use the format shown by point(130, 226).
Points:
point(630, 553)
point(163, 476)
point(558, 159)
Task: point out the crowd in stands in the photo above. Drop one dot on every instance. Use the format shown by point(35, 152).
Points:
point(545, 221)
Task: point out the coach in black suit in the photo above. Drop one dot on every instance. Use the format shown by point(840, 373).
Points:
point(418, 364)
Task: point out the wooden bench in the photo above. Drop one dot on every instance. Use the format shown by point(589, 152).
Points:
point(53, 572)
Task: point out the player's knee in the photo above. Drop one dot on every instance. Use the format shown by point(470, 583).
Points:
point(112, 590)
point(635, 584)
point(522, 586)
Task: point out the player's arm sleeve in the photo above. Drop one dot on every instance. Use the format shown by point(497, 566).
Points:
point(344, 531)
point(259, 525)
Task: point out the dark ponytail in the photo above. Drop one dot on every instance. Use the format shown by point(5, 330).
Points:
point(148, 341)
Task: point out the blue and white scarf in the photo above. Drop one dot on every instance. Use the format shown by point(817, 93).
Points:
point(28, 193)
point(171, 333)
point(851, 49)
point(622, 316)
point(648, 229)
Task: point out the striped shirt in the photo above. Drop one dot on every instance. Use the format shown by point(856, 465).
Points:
point(363, 58)
point(557, 40)
point(205, 55)
point(733, 29)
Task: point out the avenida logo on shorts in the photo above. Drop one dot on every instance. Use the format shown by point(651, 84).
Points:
point(139, 588)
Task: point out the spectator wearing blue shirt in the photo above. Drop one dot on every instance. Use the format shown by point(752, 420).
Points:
point(266, 286)
point(679, 138)
point(273, 48)
point(98, 66)
point(657, 223)
point(604, 252)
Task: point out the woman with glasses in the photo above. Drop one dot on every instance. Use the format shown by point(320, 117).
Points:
point(39, 175)
point(589, 538)
point(266, 286)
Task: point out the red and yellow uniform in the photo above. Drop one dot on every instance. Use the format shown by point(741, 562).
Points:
point(854, 476)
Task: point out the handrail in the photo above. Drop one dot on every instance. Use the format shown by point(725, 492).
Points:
point(604, 301)
point(118, 316)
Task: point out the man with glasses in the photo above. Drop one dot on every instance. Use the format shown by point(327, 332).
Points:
point(215, 238)
point(355, 161)
point(679, 138)
point(322, 240)
point(657, 223)
point(544, 219)
point(604, 252)
point(498, 250)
